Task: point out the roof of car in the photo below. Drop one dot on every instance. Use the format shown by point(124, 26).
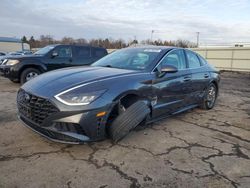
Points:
point(153, 46)
point(86, 45)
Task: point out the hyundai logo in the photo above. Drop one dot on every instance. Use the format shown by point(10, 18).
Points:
point(27, 97)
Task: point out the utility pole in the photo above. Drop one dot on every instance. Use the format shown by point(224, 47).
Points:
point(198, 39)
point(152, 32)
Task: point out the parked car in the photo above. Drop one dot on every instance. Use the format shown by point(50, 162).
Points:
point(117, 93)
point(2, 54)
point(3, 57)
point(24, 52)
point(23, 68)
point(10, 54)
point(14, 53)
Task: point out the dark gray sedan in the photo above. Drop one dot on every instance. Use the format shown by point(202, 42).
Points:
point(127, 88)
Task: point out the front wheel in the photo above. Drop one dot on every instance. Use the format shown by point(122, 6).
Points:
point(128, 119)
point(29, 74)
point(14, 80)
point(210, 97)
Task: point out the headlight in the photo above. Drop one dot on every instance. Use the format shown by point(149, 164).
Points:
point(4, 61)
point(12, 62)
point(78, 97)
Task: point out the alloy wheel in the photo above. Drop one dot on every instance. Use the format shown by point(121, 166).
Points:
point(31, 75)
point(211, 96)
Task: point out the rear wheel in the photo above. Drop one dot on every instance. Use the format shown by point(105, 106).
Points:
point(29, 74)
point(127, 119)
point(210, 97)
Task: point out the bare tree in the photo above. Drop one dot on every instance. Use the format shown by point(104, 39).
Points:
point(108, 43)
point(81, 41)
point(46, 40)
point(68, 40)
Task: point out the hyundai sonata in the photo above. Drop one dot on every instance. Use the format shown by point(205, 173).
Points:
point(111, 97)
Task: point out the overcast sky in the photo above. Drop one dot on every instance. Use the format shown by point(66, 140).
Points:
point(218, 21)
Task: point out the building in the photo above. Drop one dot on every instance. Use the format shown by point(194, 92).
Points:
point(227, 58)
point(8, 44)
point(226, 45)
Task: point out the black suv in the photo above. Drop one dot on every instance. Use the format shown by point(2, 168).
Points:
point(23, 68)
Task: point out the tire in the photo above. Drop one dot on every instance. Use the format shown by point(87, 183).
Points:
point(28, 74)
point(14, 81)
point(128, 120)
point(210, 97)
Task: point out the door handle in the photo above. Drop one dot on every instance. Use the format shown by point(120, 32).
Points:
point(206, 75)
point(187, 78)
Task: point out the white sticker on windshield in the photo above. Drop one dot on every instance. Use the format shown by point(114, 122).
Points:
point(152, 50)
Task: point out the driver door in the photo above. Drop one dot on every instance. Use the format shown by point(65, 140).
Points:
point(172, 90)
point(60, 57)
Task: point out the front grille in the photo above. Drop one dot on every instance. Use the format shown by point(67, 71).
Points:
point(34, 108)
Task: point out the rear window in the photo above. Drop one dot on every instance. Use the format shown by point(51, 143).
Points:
point(202, 60)
point(193, 60)
point(98, 52)
point(82, 51)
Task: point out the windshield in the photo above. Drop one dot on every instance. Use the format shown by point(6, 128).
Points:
point(130, 58)
point(44, 50)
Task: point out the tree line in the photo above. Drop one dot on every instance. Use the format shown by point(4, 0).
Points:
point(107, 43)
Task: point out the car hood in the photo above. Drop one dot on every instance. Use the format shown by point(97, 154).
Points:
point(5, 57)
point(22, 57)
point(54, 82)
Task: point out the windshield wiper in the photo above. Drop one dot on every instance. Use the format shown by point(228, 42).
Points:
point(110, 66)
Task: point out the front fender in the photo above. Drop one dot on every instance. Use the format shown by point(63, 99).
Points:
point(34, 63)
point(125, 93)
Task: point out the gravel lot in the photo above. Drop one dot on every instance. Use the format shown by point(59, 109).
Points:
point(194, 149)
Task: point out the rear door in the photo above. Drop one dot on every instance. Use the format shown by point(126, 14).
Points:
point(82, 55)
point(173, 89)
point(63, 58)
point(98, 53)
point(200, 75)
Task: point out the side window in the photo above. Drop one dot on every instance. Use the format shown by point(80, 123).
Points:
point(82, 51)
point(63, 52)
point(193, 60)
point(202, 60)
point(98, 52)
point(175, 58)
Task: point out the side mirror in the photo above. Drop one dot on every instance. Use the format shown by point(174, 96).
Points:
point(54, 54)
point(168, 69)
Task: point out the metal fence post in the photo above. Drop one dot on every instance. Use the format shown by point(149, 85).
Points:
point(232, 59)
